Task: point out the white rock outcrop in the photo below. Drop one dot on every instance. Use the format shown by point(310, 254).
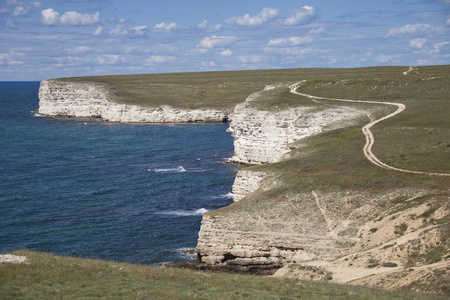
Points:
point(265, 136)
point(246, 182)
point(89, 100)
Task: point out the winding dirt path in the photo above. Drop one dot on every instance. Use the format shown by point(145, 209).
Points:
point(370, 140)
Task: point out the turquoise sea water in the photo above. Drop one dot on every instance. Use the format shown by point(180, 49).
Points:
point(125, 192)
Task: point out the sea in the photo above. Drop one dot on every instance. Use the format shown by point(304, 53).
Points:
point(123, 192)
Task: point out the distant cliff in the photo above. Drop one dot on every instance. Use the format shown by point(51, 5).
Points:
point(90, 100)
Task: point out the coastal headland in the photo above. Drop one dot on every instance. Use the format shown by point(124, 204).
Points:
point(321, 195)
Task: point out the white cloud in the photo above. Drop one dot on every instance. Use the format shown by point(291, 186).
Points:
point(316, 30)
point(119, 30)
point(437, 47)
point(267, 14)
point(448, 22)
point(159, 59)
point(163, 27)
point(301, 16)
point(10, 25)
point(205, 26)
point(108, 59)
point(80, 50)
point(417, 43)
point(50, 16)
point(74, 18)
point(138, 29)
point(19, 11)
point(293, 40)
point(227, 52)
point(217, 41)
point(412, 30)
point(250, 59)
point(208, 64)
point(98, 31)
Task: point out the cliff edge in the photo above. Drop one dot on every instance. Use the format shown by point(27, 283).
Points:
point(92, 100)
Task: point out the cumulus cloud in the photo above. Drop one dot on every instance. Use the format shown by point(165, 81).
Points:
point(98, 31)
point(266, 15)
point(316, 30)
point(227, 52)
point(409, 29)
point(50, 16)
point(138, 29)
point(163, 27)
point(20, 9)
point(74, 18)
point(301, 16)
point(217, 41)
point(119, 30)
point(205, 26)
point(293, 40)
point(417, 43)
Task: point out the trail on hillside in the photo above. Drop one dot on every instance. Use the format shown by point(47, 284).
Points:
point(370, 140)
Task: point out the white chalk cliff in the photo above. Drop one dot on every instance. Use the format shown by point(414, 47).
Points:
point(265, 136)
point(89, 100)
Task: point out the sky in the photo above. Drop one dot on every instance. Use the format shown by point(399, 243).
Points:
point(46, 39)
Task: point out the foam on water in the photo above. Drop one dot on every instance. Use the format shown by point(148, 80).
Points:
point(185, 213)
point(225, 196)
point(179, 169)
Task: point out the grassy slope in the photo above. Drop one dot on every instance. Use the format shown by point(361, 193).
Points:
point(54, 277)
point(206, 89)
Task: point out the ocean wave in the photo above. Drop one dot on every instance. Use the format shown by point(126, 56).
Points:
point(36, 114)
point(185, 213)
point(225, 196)
point(179, 169)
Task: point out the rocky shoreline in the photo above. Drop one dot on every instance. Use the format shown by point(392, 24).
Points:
point(89, 100)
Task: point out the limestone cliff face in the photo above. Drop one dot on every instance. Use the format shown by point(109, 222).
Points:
point(88, 100)
point(265, 136)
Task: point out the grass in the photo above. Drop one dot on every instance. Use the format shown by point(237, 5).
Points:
point(208, 89)
point(47, 276)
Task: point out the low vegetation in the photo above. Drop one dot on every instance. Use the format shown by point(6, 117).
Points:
point(46, 276)
point(352, 190)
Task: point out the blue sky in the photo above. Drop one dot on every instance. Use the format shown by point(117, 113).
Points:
point(47, 38)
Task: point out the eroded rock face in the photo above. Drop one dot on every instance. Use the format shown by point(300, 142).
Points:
point(246, 182)
point(89, 100)
point(265, 136)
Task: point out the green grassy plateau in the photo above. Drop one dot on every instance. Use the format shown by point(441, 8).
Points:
point(47, 276)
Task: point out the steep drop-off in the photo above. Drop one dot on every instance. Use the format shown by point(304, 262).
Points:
point(90, 100)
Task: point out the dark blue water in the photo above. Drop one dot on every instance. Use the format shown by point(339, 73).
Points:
point(124, 192)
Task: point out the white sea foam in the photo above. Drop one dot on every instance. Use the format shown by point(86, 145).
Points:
point(225, 196)
point(179, 169)
point(183, 252)
point(186, 213)
point(36, 114)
